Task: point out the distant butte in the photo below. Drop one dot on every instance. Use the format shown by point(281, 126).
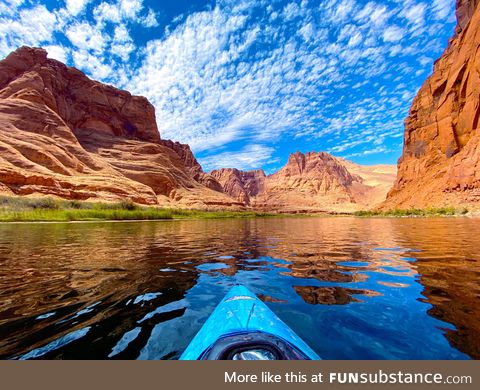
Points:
point(308, 183)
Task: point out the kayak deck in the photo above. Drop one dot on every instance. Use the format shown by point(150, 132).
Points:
point(242, 327)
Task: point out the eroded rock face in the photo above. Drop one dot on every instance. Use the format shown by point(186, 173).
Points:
point(310, 182)
point(28, 74)
point(66, 135)
point(240, 185)
point(63, 134)
point(464, 12)
point(440, 165)
point(193, 167)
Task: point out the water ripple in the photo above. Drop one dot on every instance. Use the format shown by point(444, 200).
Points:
point(352, 288)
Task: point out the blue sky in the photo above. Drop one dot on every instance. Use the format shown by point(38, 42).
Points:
point(245, 82)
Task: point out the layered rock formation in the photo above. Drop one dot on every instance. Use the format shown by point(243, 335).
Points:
point(194, 169)
point(440, 165)
point(240, 185)
point(66, 135)
point(310, 182)
point(377, 178)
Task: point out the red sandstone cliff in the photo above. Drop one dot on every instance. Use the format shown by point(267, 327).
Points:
point(440, 164)
point(66, 135)
point(310, 182)
point(240, 185)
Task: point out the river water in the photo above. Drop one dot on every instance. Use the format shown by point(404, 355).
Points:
point(352, 288)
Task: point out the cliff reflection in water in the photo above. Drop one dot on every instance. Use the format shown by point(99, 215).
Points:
point(449, 270)
point(352, 288)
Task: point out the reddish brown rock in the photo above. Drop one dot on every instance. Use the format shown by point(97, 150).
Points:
point(376, 179)
point(193, 167)
point(63, 134)
point(4, 190)
point(28, 74)
point(331, 295)
point(66, 135)
point(311, 182)
point(440, 164)
point(464, 13)
point(240, 185)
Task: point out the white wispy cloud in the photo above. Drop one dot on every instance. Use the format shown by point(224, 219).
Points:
point(393, 34)
point(107, 12)
point(31, 26)
point(91, 64)
point(57, 52)
point(124, 10)
point(340, 73)
point(442, 9)
point(150, 19)
point(87, 37)
point(368, 152)
point(252, 156)
point(75, 7)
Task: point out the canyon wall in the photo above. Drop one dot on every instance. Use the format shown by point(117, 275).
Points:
point(440, 164)
point(63, 134)
point(66, 135)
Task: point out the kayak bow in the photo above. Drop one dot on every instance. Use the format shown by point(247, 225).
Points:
point(242, 327)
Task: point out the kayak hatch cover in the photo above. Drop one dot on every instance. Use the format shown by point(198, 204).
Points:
point(242, 327)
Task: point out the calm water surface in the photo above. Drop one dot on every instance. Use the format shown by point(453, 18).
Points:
point(352, 288)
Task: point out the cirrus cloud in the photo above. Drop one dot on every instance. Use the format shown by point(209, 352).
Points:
point(239, 78)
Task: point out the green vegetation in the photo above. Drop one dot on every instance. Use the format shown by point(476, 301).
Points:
point(429, 212)
point(22, 209)
point(18, 209)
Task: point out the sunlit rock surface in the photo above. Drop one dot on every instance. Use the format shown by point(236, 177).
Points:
point(440, 165)
point(63, 134)
point(311, 182)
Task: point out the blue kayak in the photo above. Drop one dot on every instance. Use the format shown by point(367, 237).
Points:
point(242, 327)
